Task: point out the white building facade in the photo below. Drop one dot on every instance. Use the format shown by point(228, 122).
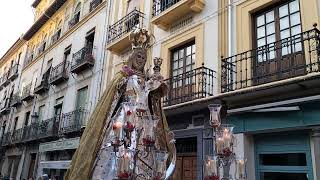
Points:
point(59, 82)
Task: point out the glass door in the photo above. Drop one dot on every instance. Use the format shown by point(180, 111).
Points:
point(182, 79)
point(279, 51)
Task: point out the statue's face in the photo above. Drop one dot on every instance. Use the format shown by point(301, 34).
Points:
point(138, 58)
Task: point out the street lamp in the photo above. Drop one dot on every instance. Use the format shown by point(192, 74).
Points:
point(224, 155)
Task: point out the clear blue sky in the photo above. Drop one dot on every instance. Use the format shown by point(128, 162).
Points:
point(16, 16)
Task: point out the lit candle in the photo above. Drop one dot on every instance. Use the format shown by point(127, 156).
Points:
point(126, 162)
point(241, 169)
point(219, 144)
point(227, 141)
point(211, 167)
point(225, 132)
point(117, 128)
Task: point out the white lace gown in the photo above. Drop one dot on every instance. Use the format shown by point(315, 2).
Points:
point(105, 164)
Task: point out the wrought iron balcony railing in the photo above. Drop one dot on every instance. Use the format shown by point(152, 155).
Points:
point(56, 36)
point(294, 56)
point(132, 20)
point(73, 121)
point(195, 84)
point(82, 60)
point(27, 94)
point(94, 4)
point(16, 136)
point(16, 100)
point(13, 72)
point(44, 84)
point(74, 21)
point(4, 80)
point(59, 73)
point(161, 5)
point(41, 130)
point(5, 106)
point(6, 139)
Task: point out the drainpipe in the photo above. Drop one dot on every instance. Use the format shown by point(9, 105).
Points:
point(230, 14)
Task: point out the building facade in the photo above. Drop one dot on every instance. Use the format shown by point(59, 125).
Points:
point(258, 58)
point(269, 82)
point(51, 82)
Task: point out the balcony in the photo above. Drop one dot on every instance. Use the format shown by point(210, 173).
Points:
point(73, 121)
point(56, 36)
point(5, 106)
point(16, 100)
point(16, 136)
point(94, 4)
point(41, 130)
point(59, 73)
point(82, 60)
point(118, 33)
point(27, 94)
point(74, 21)
point(166, 13)
point(44, 84)
point(5, 81)
point(6, 139)
point(13, 72)
point(189, 86)
point(291, 57)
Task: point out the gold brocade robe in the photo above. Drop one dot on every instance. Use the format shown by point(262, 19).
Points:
point(84, 158)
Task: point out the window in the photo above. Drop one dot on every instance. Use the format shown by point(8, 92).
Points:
point(49, 64)
point(286, 159)
point(27, 118)
point(41, 112)
point(281, 22)
point(81, 98)
point(3, 129)
point(132, 5)
point(281, 176)
point(183, 60)
point(15, 122)
point(19, 56)
point(90, 39)
point(67, 52)
point(58, 28)
point(58, 107)
point(77, 11)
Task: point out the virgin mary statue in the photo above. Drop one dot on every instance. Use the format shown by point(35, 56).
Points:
point(127, 136)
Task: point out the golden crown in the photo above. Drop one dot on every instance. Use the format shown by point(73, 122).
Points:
point(141, 38)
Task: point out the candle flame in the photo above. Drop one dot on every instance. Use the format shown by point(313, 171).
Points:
point(118, 124)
